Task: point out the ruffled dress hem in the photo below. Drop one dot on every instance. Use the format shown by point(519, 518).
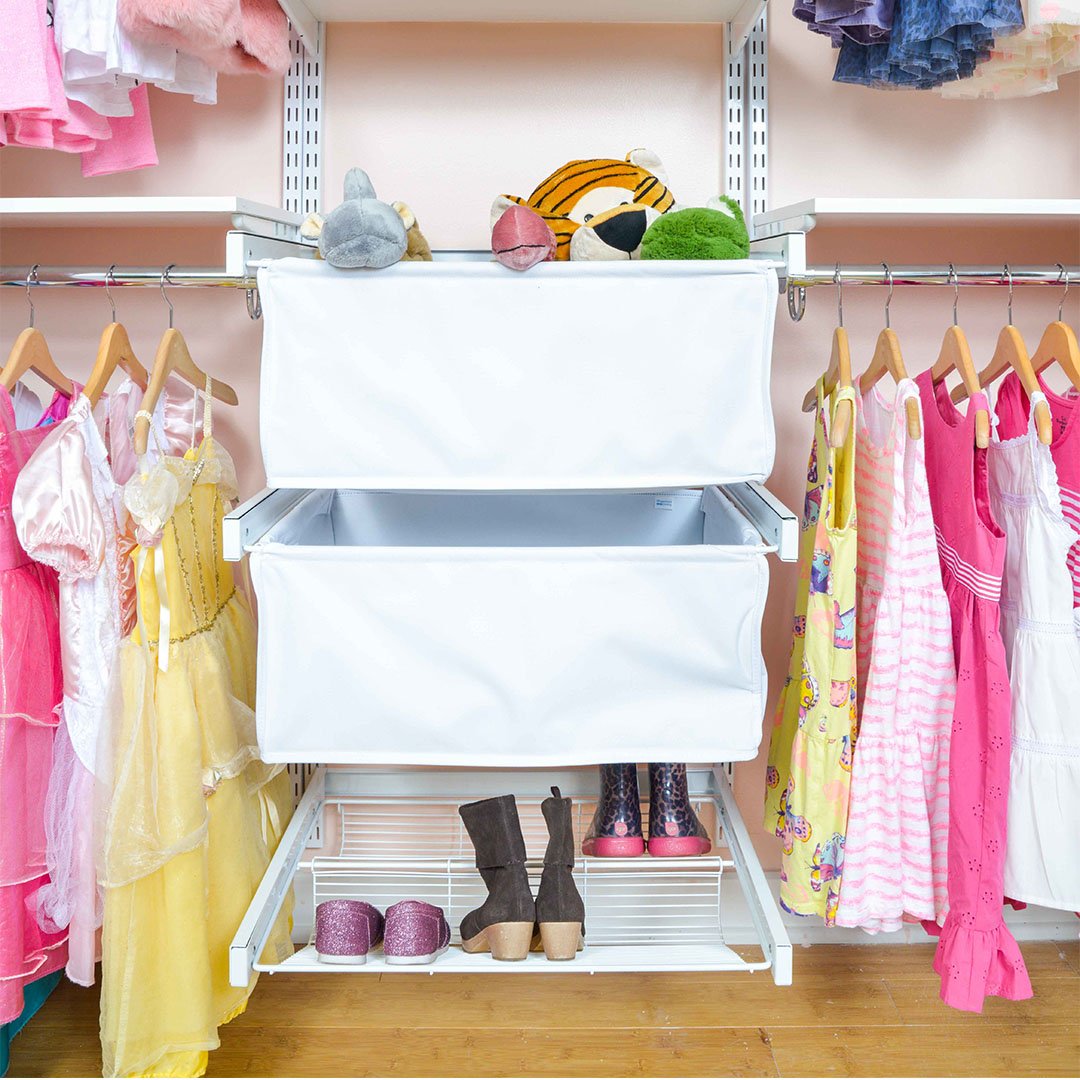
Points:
point(977, 964)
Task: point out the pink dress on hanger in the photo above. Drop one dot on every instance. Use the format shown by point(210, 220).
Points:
point(895, 863)
point(31, 682)
point(977, 955)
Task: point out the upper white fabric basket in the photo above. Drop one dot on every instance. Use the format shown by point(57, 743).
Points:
point(459, 375)
point(510, 629)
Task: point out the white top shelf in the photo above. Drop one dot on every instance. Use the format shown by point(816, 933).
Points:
point(519, 11)
point(182, 211)
point(886, 212)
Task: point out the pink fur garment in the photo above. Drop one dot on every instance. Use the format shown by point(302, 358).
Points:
point(236, 37)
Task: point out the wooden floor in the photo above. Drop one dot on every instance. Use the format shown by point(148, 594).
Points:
point(853, 1011)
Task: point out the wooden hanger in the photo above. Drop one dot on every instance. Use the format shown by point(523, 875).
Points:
point(888, 359)
point(1059, 344)
point(31, 353)
point(174, 358)
point(837, 374)
point(955, 355)
point(1011, 352)
point(114, 351)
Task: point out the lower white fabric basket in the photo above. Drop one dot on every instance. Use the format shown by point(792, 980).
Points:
point(495, 629)
point(457, 375)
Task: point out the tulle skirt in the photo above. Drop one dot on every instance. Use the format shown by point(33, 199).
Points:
point(189, 819)
point(31, 683)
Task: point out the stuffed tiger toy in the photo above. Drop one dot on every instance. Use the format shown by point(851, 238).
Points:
point(598, 208)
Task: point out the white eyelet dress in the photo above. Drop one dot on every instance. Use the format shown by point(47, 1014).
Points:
point(1041, 866)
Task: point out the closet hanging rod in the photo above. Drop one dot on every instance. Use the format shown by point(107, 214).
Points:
point(195, 277)
point(932, 275)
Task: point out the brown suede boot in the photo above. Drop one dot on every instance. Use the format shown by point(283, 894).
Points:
point(503, 924)
point(559, 907)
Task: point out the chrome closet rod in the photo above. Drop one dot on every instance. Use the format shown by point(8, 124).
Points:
point(933, 275)
point(193, 277)
point(208, 277)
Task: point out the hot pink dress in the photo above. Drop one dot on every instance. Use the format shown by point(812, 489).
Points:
point(977, 955)
point(31, 683)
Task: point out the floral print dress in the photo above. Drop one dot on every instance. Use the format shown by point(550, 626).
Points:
point(808, 779)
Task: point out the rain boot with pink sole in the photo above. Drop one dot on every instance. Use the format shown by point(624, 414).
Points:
point(674, 828)
point(615, 832)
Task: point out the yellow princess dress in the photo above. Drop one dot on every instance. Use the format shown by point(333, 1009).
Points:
point(188, 813)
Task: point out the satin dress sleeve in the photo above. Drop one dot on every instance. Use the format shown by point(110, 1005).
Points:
point(56, 517)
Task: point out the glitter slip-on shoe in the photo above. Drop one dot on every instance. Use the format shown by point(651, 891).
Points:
point(346, 931)
point(503, 925)
point(416, 933)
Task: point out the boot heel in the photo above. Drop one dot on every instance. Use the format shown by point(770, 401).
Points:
point(562, 940)
point(505, 941)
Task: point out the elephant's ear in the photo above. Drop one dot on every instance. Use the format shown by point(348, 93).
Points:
point(358, 185)
point(503, 203)
point(650, 160)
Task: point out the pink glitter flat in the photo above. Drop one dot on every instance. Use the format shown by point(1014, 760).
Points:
point(416, 933)
point(346, 930)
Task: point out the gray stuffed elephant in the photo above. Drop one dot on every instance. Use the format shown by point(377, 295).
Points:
point(362, 231)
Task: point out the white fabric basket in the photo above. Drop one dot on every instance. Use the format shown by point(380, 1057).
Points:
point(466, 375)
point(492, 629)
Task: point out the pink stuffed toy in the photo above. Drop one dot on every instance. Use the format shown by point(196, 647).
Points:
point(520, 238)
point(235, 37)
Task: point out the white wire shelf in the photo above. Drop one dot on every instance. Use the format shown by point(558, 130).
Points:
point(392, 849)
point(592, 960)
point(389, 836)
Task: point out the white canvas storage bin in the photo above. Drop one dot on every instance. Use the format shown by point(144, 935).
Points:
point(457, 375)
point(512, 629)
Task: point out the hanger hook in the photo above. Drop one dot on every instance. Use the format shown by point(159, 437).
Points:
point(31, 279)
point(838, 281)
point(108, 290)
point(1061, 306)
point(888, 301)
point(164, 294)
point(1008, 274)
point(954, 279)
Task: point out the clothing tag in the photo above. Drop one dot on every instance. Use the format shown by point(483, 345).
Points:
point(665, 504)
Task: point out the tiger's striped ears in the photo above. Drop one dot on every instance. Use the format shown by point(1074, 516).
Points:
point(503, 203)
point(650, 160)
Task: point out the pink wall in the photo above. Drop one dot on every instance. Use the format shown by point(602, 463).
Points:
point(445, 118)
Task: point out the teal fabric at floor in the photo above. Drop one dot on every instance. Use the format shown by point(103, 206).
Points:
point(34, 996)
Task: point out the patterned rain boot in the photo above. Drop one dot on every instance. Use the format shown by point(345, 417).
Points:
point(674, 828)
point(615, 832)
point(560, 911)
point(503, 925)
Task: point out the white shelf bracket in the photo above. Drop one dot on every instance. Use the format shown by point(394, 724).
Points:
point(301, 174)
point(746, 116)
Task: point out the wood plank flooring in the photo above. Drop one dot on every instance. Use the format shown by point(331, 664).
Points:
point(853, 1011)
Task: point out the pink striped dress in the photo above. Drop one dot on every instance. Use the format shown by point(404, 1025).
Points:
point(977, 955)
point(897, 837)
